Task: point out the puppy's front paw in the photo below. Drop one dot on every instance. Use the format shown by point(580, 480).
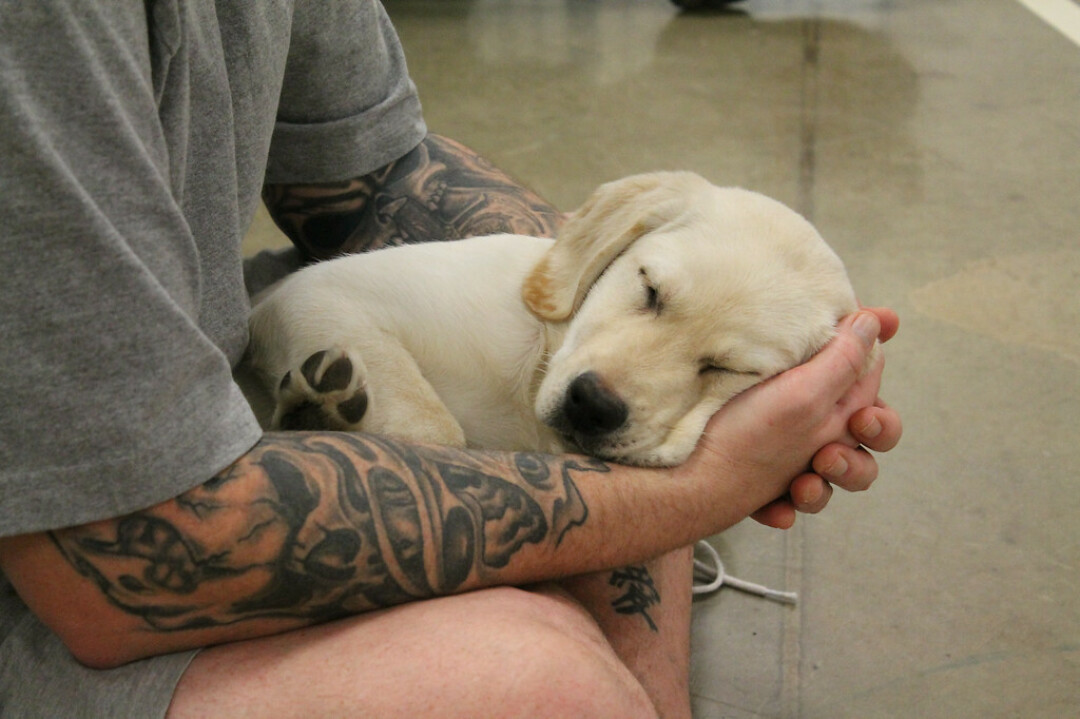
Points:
point(326, 392)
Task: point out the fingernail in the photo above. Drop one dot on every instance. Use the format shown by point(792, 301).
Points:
point(837, 469)
point(812, 497)
point(867, 328)
point(871, 429)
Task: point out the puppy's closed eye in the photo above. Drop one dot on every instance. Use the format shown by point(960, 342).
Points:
point(718, 365)
point(711, 366)
point(653, 300)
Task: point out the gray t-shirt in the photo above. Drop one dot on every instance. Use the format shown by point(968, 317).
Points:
point(134, 140)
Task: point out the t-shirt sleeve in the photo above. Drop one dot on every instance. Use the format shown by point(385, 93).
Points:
point(347, 104)
point(113, 397)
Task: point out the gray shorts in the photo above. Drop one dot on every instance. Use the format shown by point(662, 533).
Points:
point(40, 680)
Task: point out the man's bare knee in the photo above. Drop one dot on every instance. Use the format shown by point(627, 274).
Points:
point(566, 666)
point(501, 652)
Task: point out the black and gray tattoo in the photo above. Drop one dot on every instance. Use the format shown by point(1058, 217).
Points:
point(440, 191)
point(317, 526)
point(638, 592)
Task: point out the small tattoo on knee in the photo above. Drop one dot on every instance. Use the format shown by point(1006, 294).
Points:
point(639, 592)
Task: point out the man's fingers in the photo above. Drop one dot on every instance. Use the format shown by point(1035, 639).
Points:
point(779, 514)
point(843, 361)
point(890, 322)
point(850, 468)
point(878, 428)
point(810, 493)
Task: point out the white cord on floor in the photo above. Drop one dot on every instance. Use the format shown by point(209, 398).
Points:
point(716, 578)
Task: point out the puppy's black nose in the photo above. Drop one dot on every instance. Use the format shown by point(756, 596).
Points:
point(590, 408)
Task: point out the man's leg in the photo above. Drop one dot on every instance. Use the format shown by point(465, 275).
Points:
point(493, 653)
point(644, 612)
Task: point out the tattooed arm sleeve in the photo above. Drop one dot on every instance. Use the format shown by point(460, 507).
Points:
point(308, 527)
point(441, 190)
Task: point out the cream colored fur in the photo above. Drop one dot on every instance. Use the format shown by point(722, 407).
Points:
point(675, 293)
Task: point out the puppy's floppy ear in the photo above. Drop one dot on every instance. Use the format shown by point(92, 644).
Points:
point(612, 218)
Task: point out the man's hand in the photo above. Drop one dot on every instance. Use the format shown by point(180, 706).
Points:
point(847, 464)
point(774, 449)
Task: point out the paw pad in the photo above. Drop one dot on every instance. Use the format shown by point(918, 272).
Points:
point(326, 392)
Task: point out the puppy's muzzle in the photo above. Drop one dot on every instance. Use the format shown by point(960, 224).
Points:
point(589, 409)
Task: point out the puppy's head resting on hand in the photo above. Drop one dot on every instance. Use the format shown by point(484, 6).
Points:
point(678, 295)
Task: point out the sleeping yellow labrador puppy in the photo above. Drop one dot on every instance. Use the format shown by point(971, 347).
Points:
point(662, 297)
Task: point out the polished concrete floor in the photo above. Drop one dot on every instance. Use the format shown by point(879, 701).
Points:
point(936, 145)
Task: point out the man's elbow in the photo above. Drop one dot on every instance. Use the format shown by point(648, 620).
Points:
point(95, 633)
point(98, 654)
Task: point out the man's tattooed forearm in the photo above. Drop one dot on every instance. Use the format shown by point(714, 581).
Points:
point(440, 191)
point(318, 526)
